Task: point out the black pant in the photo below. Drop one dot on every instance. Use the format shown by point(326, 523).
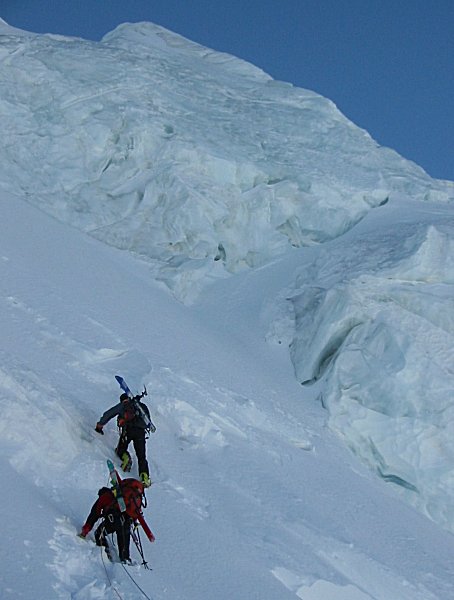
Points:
point(137, 437)
point(116, 522)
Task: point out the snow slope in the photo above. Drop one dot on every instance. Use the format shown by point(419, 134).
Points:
point(254, 496)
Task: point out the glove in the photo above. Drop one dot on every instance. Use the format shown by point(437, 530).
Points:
point(98, 428)
point(85, 530)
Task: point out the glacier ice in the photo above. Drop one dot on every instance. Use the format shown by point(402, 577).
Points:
point(162, 147)
point(374, 320)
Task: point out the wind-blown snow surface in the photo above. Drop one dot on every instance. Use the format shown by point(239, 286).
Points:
point(254, 497)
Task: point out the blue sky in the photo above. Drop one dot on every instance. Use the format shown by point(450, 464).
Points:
point(387, 64)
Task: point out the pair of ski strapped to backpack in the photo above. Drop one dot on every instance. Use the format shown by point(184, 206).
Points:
point(135, 404)
point(129, 496)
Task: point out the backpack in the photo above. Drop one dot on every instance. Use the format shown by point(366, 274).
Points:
point(129, 414)
point(133, 493)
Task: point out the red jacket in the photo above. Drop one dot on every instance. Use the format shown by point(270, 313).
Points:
point(105, 503)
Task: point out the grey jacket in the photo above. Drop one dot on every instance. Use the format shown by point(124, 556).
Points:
point(119, 411)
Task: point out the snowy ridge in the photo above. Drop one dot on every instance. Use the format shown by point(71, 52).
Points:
point(148, 38)
point(196, 161)
point(6, 29)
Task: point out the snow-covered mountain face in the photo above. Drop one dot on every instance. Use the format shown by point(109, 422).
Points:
point(205, 166)
point(193, 159)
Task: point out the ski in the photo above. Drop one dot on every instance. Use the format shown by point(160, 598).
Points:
point(146, 529)
point(135, 400)
point(115, 482)
point(124, 386)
